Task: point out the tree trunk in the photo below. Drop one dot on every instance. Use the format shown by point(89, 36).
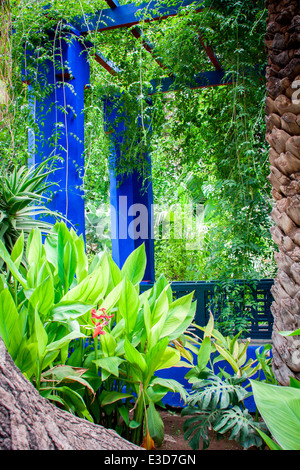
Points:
point(30, 422)
point(283, 135)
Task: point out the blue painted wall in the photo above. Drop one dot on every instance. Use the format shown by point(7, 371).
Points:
point(178, 373)
point(59, 118)
point(131, 202)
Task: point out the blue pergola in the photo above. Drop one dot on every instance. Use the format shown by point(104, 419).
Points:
point(62, 133)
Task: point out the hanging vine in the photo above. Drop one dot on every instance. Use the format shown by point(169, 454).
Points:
point(215, 134)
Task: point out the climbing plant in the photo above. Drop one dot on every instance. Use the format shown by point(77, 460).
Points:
point(215, 134)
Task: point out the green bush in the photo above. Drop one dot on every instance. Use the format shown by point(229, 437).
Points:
point(22, 198)
point(53, 311)
point(217, 398)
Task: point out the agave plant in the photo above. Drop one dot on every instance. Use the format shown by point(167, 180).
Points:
point(22, 202)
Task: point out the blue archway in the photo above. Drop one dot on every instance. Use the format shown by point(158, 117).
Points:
point(63, 131)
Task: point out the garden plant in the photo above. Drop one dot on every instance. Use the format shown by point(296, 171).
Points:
point(220, 386)
point(78, 326)
point(85, 336)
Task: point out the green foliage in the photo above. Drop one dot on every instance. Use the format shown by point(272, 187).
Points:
point(97, 229)
point(284, 423)
point(47, 322)
point(228, 348)
point(231, 304)
point(206, 144)
point(217, 403)
point(215, 134)
point(218, 134)
point(22, 202)
point(217, 398)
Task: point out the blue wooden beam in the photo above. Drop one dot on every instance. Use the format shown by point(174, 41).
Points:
point(99, 57)
point(137, 33)
point(201, 80)
point(130, 15)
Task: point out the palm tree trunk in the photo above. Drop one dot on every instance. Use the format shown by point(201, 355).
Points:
point(30, 422)
point(283, 135)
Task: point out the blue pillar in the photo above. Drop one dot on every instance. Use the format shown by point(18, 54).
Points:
point(131, 200)
point(59, 123)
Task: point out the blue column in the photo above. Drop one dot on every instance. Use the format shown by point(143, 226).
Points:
point(59, 124)
point(131, 202)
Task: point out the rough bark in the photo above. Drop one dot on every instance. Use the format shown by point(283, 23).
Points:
point(283, 134)
point(30, 422)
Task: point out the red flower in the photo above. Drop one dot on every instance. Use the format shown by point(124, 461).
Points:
point(102, 316)
point(104, 320)
point(99, 330)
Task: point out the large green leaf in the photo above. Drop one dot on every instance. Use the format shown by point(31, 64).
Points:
point(169, 358)
point(92, 289)
point(185, 323)
point(106, 398)
point(82, 260)
point(66, 373)
point(116, 275)
point(178, 311)
point(129, 305)
point(10, 330)
point(73, 400)
point(69, 310)
point(108, 344)
point(155, 424)
point(204, 353)
point(171, 385)
point(113, 297)
point(42, 297)
point(280, 408)
point(154, 355)
point(26, 359)
point(11, 265)
point(160, 307)
point(67, 256)
point(134, 357)
point(135, 265)
point(110, 364)
point(157, 329)
point(147, 317)
point(34, 247)
point(59, 344)
point(18, 250)
point(270, 443)
point(41, 335)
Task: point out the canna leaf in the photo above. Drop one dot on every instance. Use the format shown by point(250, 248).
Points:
point(11, 265)
point(284, 424)
point(155, 427)
point(59, 344)
point(129, 305)
point(10, 330)
point(134, 357)
point(204, 353)
point(18, 250)
point(110, 364)
point(228, 358)
point(135, 265)
point(107, 398)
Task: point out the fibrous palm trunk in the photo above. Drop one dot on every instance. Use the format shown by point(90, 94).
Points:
point(30, 422)
point(283, 135)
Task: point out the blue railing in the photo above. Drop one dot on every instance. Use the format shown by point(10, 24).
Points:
point(253, 302)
